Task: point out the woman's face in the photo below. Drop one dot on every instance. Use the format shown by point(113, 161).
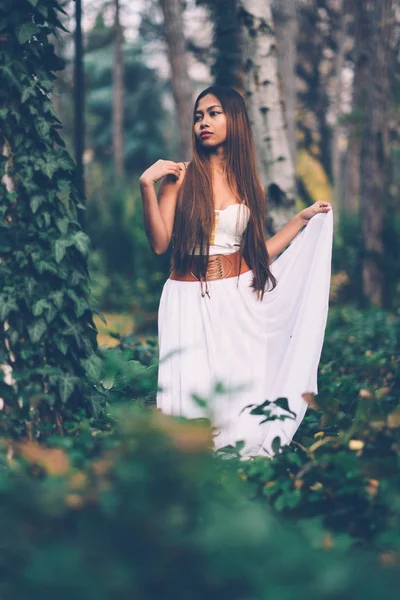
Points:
point(210, 122)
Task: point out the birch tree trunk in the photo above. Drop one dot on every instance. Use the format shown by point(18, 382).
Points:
point(118, 94)
point(285, 20)
point(266, 110)
point(375, 158)
point(181, 85)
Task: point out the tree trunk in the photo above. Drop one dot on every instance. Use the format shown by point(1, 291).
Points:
point(227, 44)
point(338, 133)
point(265, 109)
point(79, 98)
point(118, 94)
point(285, 19)
point(356, 132)
point(181, 85)
point(375, 159)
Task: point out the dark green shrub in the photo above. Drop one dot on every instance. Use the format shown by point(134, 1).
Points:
point(157, 517)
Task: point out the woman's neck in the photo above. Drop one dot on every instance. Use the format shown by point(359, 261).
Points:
point(217, 161)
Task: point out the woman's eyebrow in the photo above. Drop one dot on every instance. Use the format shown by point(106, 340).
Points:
point(209, 108)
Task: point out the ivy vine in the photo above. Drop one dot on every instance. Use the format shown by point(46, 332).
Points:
point(47, 333)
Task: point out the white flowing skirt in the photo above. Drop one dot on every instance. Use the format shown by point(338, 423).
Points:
point(258, 350)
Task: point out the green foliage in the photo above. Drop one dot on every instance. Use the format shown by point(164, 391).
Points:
point(125, 373)
point(154, 515)
point(360, 353)
point(47, 330)
point(127, 275)
point(343, 465)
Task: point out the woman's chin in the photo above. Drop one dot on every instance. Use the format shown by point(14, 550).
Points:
point(209, 143)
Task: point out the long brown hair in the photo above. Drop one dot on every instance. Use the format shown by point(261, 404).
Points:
point(194, 217)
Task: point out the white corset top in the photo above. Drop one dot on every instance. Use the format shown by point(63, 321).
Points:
point(229, 227)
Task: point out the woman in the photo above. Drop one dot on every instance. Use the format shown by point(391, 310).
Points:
point(227, 315)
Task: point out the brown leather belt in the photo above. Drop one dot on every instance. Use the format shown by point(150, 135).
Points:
point(220, 266)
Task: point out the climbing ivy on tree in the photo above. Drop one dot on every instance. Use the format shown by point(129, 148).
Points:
point(47, 334)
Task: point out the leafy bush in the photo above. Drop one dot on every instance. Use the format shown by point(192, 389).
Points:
point(155, 515)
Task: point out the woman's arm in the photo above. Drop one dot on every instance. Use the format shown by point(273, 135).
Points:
point(159, 209)
point(278, 242)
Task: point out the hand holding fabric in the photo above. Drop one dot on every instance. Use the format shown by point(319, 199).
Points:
point(318, 207)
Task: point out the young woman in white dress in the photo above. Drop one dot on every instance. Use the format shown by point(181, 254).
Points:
point(228, 315)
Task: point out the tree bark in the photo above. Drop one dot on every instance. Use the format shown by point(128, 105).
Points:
point(266, 111)
point(118, 94)
point(181, 85)
point(227, 43)
point(375, 158)
point(338, 132)
point(356, 132)
point(285, 20)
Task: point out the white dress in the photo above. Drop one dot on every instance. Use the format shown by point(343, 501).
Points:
point(258, 350)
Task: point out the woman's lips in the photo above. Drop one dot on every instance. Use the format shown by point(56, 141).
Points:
point(206, 134)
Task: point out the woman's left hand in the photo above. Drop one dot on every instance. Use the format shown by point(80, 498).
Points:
point(318, 207)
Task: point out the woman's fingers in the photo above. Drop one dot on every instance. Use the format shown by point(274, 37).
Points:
point(323, 206)
point(173, 168)
point(173, 171)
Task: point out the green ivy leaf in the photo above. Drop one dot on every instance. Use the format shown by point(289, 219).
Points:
point(43, 266)
point(67, 384)
point(35, 202)
point(62, 225)
point(82, 242)
point(61, 344)
point(40, 306)
point(26, 93)
point(42, 127)
point(25, 32)
point(93, 366)
point(276, 444)
point(74, 330)
point(30, 285)
point(60, 247)
point(80, 303)
point(44, 11)
point(65, 162)
point(58, 299)
point(36, 330)
point(59, 250)
point(47, 167)
point(47, 219)
point(7, 304)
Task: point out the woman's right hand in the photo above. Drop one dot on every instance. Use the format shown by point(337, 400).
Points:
point(160, 169)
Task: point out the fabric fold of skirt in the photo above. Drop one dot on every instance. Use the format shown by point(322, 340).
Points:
point(258, 350)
